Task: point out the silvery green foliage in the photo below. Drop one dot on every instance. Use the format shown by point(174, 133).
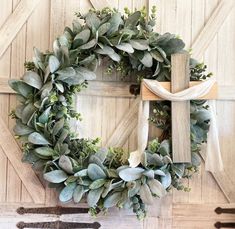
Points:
point(78, 167)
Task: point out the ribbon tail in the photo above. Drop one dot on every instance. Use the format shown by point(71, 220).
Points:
point(136, 157)
point(213, 161)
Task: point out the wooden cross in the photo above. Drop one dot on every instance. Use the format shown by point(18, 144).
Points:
point(180, 111)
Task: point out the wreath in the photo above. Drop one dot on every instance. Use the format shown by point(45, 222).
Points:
point(78, 167)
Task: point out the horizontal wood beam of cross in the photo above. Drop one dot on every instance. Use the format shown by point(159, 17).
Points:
point(180, 111)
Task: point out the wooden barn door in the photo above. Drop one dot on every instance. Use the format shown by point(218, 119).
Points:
point(110, 112)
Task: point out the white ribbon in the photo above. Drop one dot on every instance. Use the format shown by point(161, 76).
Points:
point(213, 160)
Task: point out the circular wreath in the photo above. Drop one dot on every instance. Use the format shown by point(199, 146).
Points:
point(79, 167)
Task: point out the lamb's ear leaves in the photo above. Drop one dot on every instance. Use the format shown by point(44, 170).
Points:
point(103, 29)
point(156, 187)
point(95, 172)
point(131, 174)
point(43, 118)
point(55, 176)
point(133, 19)
point(146, 194)
point(20, 129)
point(45, 151)
point(66, 164)
point(20, 87)
point(94, 196)
point(112, 200)
point(78, 193)
point(37, 139)
point(33, 79)
point(166, 180)
point(67, 193)
point(54, 63)
point(115, 21)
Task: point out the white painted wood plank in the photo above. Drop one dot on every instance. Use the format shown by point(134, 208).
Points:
point(211, 28)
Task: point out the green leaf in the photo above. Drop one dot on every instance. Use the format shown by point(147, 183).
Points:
point(89, 45)
point(67, 193)
point(95, 172)
point(126, 47)
point(115, 21)
point(115, 57)
point(21, 129)
point(92, 21)
point(27, 113)
point(78, 193)
point(166, 180)
point(43, 118)
point(77, 27)
point(201, 115)
point(97, 183)
point(104, 29)
point(149, 174)
point(147, 60)
point(157, 56)
point(81, 173)
point(107, 188)
point(83, 36)
point(37, 139)
point(54, 63)
point(106, 50)
point(112, 200)
point(44, 151)
point(145, 194)
point(196, 160)
point(55, 176)
point(58, 126)
point(66, 164)
point(66, 72)
point(156, 187)
point(86, 74)
point(102, 154)
point(164, 148)
point(21, 87)
point(178, 169)
point(153, 159)
point(87, 60)
point(159, 172)
point(32, 79)
point(131, 174)
point(60, 87)
point(135, 189)
point(94, 196)
point(133, 19)
point(139, 44)
point(64, 134)
point(57, 51)
point(174, 45)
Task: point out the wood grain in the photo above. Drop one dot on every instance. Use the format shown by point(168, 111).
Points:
point(212, 26)
point(24, 171)
point(125, 126)
point(100, 4)
point(15, 22)
point(180, 111)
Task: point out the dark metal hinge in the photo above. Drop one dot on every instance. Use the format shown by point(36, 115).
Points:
point(220, 210)
point(58, 225)
point(58, 210)
point(55, 224)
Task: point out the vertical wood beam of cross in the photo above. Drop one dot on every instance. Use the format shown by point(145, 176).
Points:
point(180, 111)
